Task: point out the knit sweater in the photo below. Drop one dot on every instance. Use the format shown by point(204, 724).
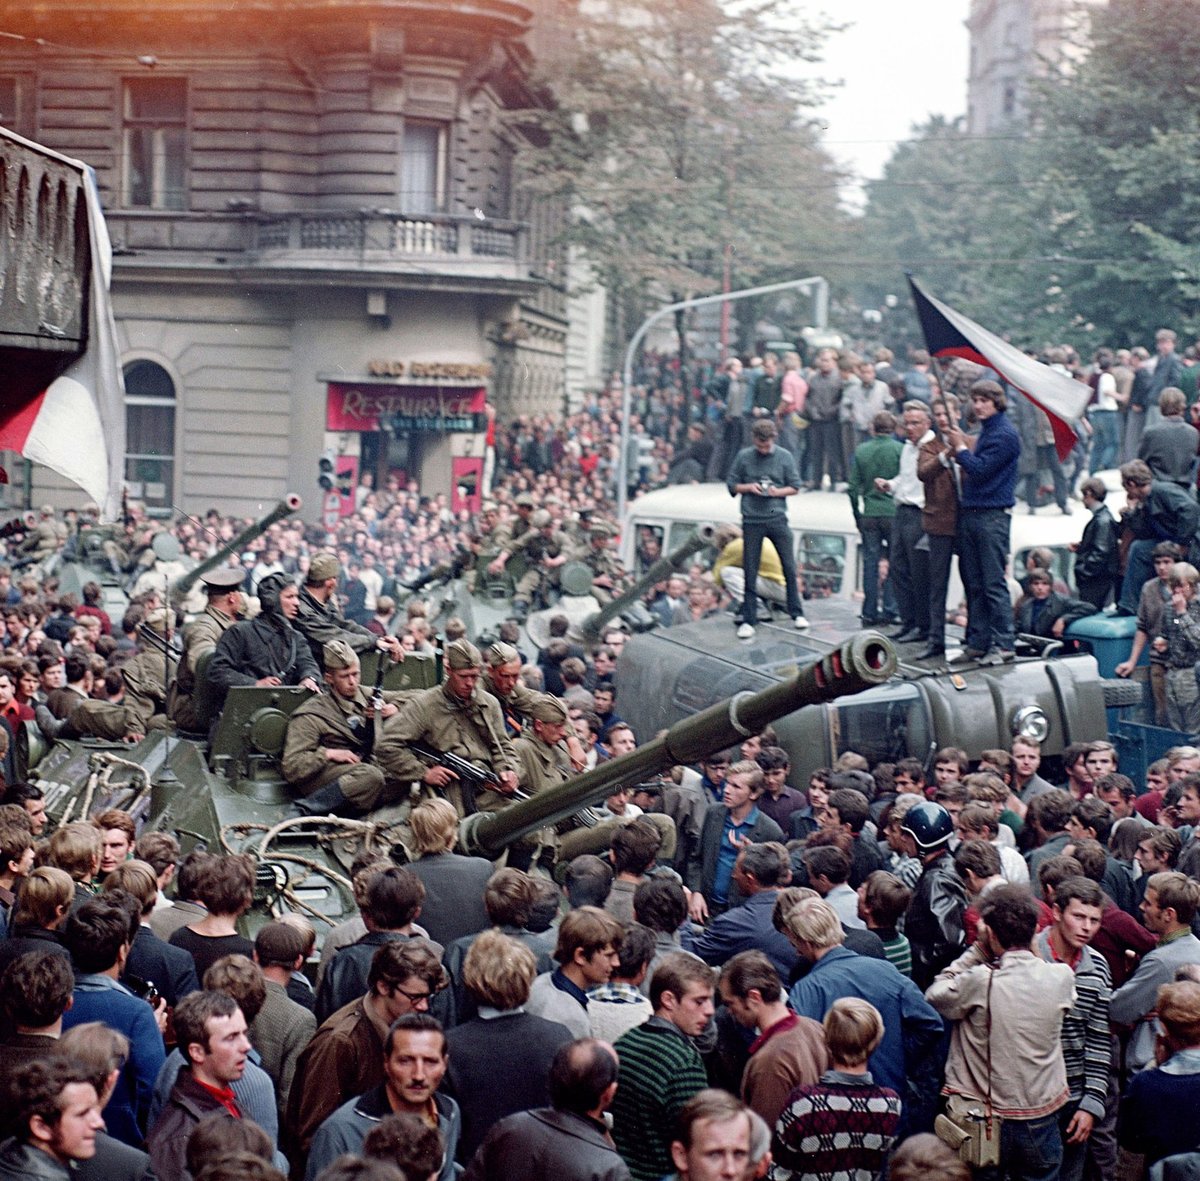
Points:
point(842, 1127)
point(660, 1071)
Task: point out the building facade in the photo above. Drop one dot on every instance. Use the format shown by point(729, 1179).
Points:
point(1014, 42)
point(320, 239)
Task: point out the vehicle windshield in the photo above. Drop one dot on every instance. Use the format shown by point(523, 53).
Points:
point(883, 725)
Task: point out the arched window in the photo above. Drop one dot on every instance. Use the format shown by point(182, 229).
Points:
point(150, 433)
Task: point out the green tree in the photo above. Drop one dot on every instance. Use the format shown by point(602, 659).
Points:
point(677, 134)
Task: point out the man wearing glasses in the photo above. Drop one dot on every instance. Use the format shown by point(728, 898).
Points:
point(346, 1057)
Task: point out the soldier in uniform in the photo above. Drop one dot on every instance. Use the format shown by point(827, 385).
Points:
point(142, 702)
point(45, 539)
point(330, 740)
point(523, 503)
point(457, 717)
point(267, 650)
point(502, 679)
point(609, 578)
point(489, 543)
point(545, 549)
point(544, 763)
point(321, 620)
point(146, 678)
point(225, 606)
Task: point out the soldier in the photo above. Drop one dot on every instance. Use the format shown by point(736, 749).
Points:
point(488, 544)
point(147, 675)
point(609, 578)
point(44, 539)
point(267, 650)
point(457, 717)
point(502, 679)
point(523, 502)
point(225, 606)
point(545, 549)
point(320, 618)
point(141, 702)
point(544, 763)
point(330, 740)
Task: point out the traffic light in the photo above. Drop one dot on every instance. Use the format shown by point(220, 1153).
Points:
point(326, 472)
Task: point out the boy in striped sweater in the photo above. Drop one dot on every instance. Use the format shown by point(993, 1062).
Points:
point(882, 899)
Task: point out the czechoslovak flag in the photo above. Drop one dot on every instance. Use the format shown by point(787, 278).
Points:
point(951, 334)
point(76, 425)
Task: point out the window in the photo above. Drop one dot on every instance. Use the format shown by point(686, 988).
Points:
point(1008, 101)
point(154, 143)
point(150, 433)
point(423, 168)
point(821, 561)
point(14, 104)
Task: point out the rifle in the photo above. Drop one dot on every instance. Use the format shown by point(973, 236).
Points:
point(376, 705)
point(471, 777)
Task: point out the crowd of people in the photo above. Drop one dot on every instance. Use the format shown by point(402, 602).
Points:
point(741, 980)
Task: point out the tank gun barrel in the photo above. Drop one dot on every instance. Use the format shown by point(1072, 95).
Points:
point(866, 660)
point(593, 626)
point(288, 505)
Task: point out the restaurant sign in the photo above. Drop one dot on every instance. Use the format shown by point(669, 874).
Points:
point(404, 408)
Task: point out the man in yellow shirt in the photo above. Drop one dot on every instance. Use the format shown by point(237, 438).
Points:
point(729, 575)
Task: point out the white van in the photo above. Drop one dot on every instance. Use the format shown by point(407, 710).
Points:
point(827, 542)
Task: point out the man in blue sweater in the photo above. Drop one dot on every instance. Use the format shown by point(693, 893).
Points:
point(989, 481)
point(765, 475)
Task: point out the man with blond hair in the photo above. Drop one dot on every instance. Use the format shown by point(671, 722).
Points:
point(454, 884)
point(907, 1058)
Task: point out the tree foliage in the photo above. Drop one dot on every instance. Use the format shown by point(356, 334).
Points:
point(677, 130)
point(1092, 218)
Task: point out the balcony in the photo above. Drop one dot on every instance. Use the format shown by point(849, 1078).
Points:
point(366, 242)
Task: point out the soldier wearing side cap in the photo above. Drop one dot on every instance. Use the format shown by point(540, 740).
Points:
point(523, 504)
point(502, 679)
point(320, 618)
point(327, 756)
point(609, 577)
point(457, 717)
point(146, 677)
point(223, 586)
point(546, 549)
point(488, 543)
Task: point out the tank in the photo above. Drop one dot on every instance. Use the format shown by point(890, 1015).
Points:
point(181, 586)
point(586, 617)
point(860, 663)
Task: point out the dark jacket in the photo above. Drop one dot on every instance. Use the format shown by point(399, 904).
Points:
point(702, 873)
point(990, 471)
point(1054, 608)
point(547, 1145)
point(320, 622)
point(188, 1104)
point(934, 925)
point(454, 887)
point(170, 969)
point(1097, 556)
point(1169, 450)
point(114, 1161)
point(257, 648)
point(1169, 513)
point(22, 1162)
point(499, 1066)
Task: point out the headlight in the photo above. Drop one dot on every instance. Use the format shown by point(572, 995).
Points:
point(1030, 721)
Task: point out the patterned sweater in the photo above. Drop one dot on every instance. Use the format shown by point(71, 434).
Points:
point(842, 1128)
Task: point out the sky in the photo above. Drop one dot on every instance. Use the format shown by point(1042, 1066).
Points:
point(897, 64)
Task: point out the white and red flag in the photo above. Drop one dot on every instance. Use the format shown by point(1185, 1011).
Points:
point(76, 424)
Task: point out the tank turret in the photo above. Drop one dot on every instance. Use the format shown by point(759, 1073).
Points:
point(862, 662)
point(181, 586)
point(593, 627)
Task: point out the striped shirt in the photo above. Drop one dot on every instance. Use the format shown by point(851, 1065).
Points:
point(1087, 1050)
point(660, 1071)
point(897, 949)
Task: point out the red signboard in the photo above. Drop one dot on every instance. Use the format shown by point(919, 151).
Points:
point(407, 407)
point(465, 485)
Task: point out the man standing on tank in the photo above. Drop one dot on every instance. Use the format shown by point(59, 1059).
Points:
point(764, 475)
point(989, 481)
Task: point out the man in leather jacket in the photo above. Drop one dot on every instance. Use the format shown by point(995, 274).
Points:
point(934, 924)
point(266, 650)
point(1096, 553)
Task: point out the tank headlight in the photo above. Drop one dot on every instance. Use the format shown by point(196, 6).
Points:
point(1030, 721)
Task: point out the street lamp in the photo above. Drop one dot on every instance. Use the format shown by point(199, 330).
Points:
point(818, 285)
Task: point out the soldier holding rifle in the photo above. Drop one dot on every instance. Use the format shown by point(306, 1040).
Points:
point(456, 717)
point(331, 738)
